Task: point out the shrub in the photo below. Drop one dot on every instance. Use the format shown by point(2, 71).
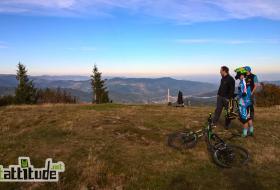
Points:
point(269, 95)
point(54, 96)
point(7, 100)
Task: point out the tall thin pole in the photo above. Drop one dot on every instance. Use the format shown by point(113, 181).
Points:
point(168, 96)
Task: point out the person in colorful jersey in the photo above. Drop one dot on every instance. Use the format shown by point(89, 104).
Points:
point(244, 99)
point(252, 82)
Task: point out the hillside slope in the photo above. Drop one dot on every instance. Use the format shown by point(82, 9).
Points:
point(124, 147)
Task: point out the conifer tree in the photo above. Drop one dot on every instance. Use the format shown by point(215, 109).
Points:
point(100, 93)
point(25, 92)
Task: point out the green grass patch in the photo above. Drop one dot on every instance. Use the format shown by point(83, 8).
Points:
point(102, 107)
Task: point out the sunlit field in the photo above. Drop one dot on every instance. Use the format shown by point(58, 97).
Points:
point(118, 147)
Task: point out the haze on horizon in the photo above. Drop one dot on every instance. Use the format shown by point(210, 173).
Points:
point(140, 38)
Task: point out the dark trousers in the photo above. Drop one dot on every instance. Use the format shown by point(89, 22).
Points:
point(222, 102)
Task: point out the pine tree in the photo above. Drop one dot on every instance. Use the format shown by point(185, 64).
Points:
point(25, 92)
point(100, 93)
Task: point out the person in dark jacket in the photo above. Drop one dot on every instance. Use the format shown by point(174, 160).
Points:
point(225, 92)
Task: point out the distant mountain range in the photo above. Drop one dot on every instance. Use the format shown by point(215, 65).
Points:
point(273, 82)
point(124, 90)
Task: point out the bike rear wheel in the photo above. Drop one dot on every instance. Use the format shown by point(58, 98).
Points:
point(231, 156)
point(182, 140)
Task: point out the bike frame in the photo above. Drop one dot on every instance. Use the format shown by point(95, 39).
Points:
point(211, 136)
point(207, 130)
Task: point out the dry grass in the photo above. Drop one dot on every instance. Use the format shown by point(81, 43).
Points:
point(124, 147)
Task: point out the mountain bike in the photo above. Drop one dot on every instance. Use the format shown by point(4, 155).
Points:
point(223, 154)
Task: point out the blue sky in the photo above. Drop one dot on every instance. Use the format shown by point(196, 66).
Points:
point(139, 37)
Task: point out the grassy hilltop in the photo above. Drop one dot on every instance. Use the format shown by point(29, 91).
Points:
point(124, 147)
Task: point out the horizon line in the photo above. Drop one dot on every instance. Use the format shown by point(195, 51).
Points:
point(130, 74)
point(210, 78)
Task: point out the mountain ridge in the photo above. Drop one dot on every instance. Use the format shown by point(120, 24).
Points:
point(123, 90)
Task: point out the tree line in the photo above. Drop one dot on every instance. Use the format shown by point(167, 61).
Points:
point(268, 95)
point(27, 93)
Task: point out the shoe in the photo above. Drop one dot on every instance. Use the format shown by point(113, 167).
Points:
point(243, 135)
point(251, 134)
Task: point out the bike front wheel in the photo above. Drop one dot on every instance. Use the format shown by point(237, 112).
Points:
point(182, 140)
point(231, 156)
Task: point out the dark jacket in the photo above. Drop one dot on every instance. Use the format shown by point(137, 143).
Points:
point(227, 87)
point(251, 80)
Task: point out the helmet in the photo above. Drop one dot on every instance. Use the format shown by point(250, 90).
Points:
point(247, 68)
point(240, 71)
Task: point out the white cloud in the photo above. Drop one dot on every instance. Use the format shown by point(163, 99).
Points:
point(250, 8)
point(44, 3)
point(182, 11)
point(227, 41)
